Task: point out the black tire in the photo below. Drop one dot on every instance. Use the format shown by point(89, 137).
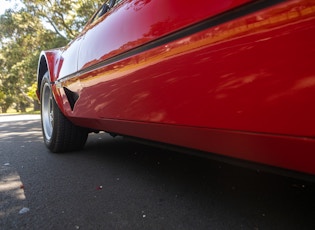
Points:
point(60, 135)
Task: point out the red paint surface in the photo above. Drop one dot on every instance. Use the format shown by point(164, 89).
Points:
point(245, 88)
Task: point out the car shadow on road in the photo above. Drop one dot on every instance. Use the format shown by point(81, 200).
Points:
point(217, 190)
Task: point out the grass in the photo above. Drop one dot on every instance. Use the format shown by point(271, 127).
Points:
point(28, 111)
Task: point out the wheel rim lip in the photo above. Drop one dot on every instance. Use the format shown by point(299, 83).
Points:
point(47, 112)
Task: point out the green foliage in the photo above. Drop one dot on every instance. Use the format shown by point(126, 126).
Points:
point(37, 25)
point(66, 17)
point(32, 91)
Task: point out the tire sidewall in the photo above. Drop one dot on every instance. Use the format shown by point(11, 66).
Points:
point(48, 142)
point(64, 136)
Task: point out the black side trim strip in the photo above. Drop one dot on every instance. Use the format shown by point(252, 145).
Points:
point(211, 22)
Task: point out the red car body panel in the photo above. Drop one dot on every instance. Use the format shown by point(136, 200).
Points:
point(243, 87)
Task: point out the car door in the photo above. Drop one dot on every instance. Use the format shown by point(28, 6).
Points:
point(68, 61)
point(132, 23)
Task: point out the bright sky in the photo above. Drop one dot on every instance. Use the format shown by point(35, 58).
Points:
point(13, 4)
point(6, 4)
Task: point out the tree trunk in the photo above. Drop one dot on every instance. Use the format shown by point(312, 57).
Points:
point(36, 105)
point(23, 107)
point(4, 109)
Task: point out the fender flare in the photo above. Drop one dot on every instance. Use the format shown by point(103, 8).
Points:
point(51, 61)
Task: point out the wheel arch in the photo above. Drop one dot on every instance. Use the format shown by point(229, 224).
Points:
point(48, 62)
point(51, 61)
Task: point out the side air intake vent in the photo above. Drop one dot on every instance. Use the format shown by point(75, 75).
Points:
point(72, 97)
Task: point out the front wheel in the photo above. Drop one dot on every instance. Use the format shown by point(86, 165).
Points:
point(60, 135)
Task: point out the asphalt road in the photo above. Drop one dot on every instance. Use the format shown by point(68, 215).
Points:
point(116, 184)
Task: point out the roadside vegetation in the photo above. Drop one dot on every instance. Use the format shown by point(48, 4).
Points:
point(25, 30)
point(29, 110)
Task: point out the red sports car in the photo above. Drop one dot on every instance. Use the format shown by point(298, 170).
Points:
point(232, 78)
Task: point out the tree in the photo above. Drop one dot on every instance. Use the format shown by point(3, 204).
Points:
point(37, 25)
point(19, 51)
point(66, 17)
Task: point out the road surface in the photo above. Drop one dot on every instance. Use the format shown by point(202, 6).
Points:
point(116, 184)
